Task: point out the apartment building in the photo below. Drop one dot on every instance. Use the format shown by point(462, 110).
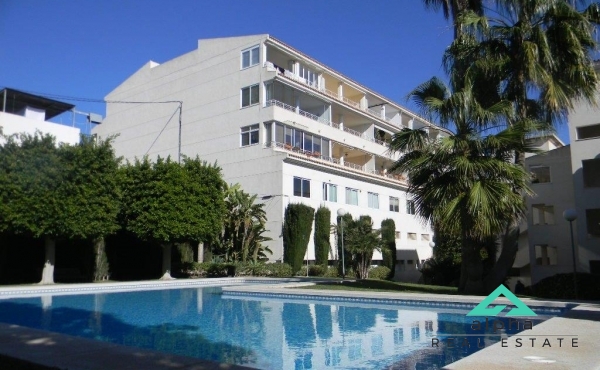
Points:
point(280, 123)
point(27, 113)
point(584, 130)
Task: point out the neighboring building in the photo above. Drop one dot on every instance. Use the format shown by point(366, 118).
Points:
point(281, 124)
point(584, 129)
point(27, 113)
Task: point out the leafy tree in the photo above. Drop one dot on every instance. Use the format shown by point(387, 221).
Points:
point(361, 240)
point(91, 195)
point(322, 236)
point(388, 241)
point(242, 235)
point(31, 204)
point(166, 202)
point(454, 8)
point(465, 182)
point(297, 225)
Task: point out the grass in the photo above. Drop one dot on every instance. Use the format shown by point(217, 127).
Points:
point(383, 286)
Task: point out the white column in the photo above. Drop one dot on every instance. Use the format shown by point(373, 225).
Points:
point(321, 81)
point(341, 118)
point(297, 103)
point(363, 102)
point(297, 68)
point(383, 111)
point(263, 53)
point(340, 90)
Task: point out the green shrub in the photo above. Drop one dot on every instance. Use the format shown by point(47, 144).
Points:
point(297, 225)
point(322, 236)
point(388, 250)
point(379, 273)
point(332, 271)
point(560, 286)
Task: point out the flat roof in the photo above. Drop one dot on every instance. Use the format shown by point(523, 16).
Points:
point(17, 100)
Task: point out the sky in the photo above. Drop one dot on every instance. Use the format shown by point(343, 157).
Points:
point(86, 48)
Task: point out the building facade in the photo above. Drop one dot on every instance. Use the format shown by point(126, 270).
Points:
point(283, 125)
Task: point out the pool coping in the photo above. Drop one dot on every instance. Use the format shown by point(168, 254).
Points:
point(20, 343)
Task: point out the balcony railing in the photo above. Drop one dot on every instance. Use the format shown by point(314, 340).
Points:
point(353, 132)
point(314, 85)
point(316, 156)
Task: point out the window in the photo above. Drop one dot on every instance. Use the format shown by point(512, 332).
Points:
point(542, 214)
point(412, 236)
point(398, 235)
point(540, 174)
point(593, 221)
point(594, 266)
point(410, 207)
point(352, 196)
point(425, 237)
point(373, 200)
point(545, 255)
point(329, 192)
point(249, 135)
point(301, 187)
point(394, 204)
point(249, 95)
point(588, 132)
point(250, 57)
point(591, 173)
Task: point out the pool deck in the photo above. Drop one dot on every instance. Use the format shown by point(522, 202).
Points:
point(22, 347)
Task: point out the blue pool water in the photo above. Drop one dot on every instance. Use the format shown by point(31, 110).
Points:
point(259, 332)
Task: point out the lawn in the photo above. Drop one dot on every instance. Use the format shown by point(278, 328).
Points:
point(382, 286)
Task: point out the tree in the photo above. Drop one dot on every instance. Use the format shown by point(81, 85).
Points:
point(388, 241)
point(360, 240)
point(454, 8)
point(322, 236)
point(297, 225)
point(241, 237)
point(342, 225)
point(466, 182)
point(91, 195)
point(166, 202)
point(31, 201)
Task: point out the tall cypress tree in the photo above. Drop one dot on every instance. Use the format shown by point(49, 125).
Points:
point(322, 234)
point(297, 225)
point(388, 250)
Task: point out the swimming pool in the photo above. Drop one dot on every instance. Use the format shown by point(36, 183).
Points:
point(266, 333)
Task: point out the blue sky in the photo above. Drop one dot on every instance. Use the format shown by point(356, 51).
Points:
point(86, 48)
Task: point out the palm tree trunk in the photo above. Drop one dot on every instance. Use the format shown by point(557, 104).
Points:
point(48, 271)
point(498, 273)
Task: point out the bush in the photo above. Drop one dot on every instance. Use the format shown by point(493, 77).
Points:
point(332, 271)
point(217, 269)
point(322, 236)
point(297, 226)
point(379, 273)
point(388, 250)
point(560, 286)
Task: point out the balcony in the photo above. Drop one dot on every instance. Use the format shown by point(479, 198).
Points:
point(337, 162)
point(331, 94)
point(324, 121)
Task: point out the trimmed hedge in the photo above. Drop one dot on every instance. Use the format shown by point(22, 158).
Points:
point(322, 235)
point(560, 286)
point(212, 269)
point(388, 250)
point(379, 273)
point(297, 225)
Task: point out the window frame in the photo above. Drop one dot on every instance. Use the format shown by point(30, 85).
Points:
point(371, 196)
point(410, 207)
point(254, 128)
point(395, 208)
point(588, 175)
point(595, 125)
point(249, 51)
point(347, 198)
point(250, 103)
point(533, 180)
point(327, 192)
point(304, 187)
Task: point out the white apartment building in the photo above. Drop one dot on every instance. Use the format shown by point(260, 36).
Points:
point(280, 123)
point(27, 113)
point(584, 130)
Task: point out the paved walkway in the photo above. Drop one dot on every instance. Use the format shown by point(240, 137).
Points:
point(57, 351)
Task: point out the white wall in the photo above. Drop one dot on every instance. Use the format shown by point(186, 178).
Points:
point(14, 124)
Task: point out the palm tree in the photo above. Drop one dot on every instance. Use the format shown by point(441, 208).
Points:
point(467, 182)
point(453, 8)
point(534, 53)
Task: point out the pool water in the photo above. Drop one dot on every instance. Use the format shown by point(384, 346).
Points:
point(261, 333)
